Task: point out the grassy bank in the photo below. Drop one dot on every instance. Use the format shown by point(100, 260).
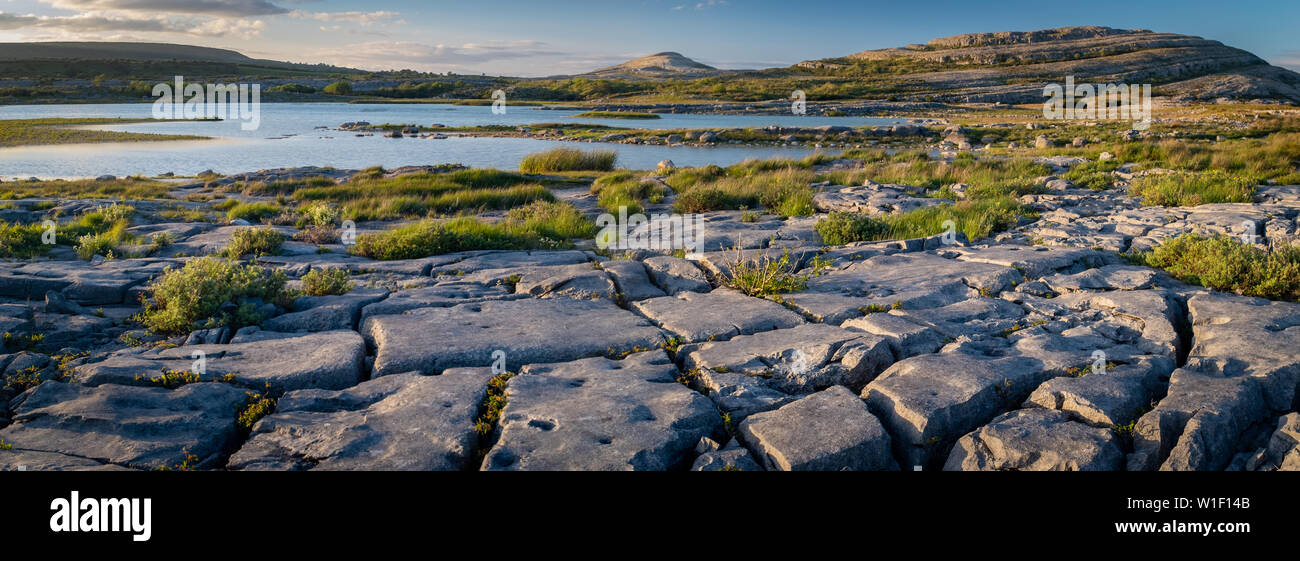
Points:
point(36, 132)
point(617, 115)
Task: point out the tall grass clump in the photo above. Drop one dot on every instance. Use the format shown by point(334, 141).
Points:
point(1193, 188)
point(252, 212)
point(626, 189)
point(568, 159)
point(1224, 263)
point(976, 219)
point(539, 225)
point(783, 187)
point(196, 296)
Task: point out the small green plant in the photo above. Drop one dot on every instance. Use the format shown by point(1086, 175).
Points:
point(21, 342)
point(161, 240)
point(324, 282)
point(23, 380)
point(188, 464)
point(490, 412)
point(256, 406)
point(318, 214)
point(1125, 429)
point(5, 445)
point(171, 379)
point(763, 276)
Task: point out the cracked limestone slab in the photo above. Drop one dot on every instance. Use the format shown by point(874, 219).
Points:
point(403, 422)
point(324, 360)
point(1036, 440)
point(1198, 425)
point(601, 414)
point(830, 430)
point(1238, 335)
point(751, 373)
point(1110, 396)
point(142, 428)
point(907, 280)
point(429, 340)
point(716, 316)
point(927, 402)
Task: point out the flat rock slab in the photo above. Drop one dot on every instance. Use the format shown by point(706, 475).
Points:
point(327, 360)
point(1253, 337)
point(674, 275)
point(1037, 261)
point(1114, 396)
point(470, 262)
point(751, 373)
point(906, 338)
point(716, 316)
point(1110, 277)
point(929, 401)
point(583, 281)
point(142, 428)
point(1198, 425)
point(831, 430)
point(732, 457)
point(32, 460)
point(632, 280)
point(325, 313)
point(106, 283)
point(442, 295)
point(429, 340)
point(601, 414)
point(404, 422)
point(907, 280)
point(1036, 440)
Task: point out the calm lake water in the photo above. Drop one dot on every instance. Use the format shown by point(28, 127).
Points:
point(290, 136)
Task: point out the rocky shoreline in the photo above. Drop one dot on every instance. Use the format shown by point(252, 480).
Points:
point(1038, 349)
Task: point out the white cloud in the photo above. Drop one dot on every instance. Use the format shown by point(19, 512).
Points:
point(226, 8)
point(80, 25)
point(363, 18)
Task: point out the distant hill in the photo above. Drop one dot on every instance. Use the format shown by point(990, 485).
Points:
point(658, 65)
point(126, 51)
point(1012, 66)
point(54, 58)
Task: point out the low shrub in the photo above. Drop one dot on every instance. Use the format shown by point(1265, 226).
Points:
point(254, 241)
point(209, 292)
point(326, 282)
point(1224, 263)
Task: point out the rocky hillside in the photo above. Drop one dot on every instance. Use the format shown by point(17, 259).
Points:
point(1013, 66)
point(658, 65)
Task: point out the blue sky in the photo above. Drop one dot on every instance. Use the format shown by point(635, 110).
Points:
point(535, 38)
